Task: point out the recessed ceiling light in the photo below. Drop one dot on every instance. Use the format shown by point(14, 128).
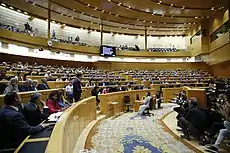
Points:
point(19, 10)
point(3, 4)
point(220, 8)
point(159, 2)
point(137, 19)
point(171, 5)
point(158, 21)
point(33, 3)
point(11, 8)
point(153, 14)
point(63, 24)
point(110, 13)
point(25, 13)
point(151, 21)
point(117, 15)
point(213, 8)
point(202, 17)
point(73, 9)
point(88, 5)
point(196, 17)
point(163, 14)
point(194, 22)
point(189, 23)
point(111, 32)
point(109, 0)
point(119, 4)
point(183, 7)
point(102, 11)
point(81, 28)
point(53, 21)
point(143, 20)
point(95, 8)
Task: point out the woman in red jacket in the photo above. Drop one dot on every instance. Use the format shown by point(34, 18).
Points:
point(52, 102)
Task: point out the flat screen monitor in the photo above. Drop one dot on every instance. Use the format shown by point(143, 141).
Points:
point(108, 51)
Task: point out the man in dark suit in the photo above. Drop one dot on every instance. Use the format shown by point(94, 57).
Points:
point(14, 127)
point(43, 85)
point(77, 87)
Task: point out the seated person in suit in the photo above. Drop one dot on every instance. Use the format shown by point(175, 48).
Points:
point(35, 85)
point(43, 85)
point(53, 103)
point(105, 90)
point(103, 83)
point(14, 127)
point(145, 105)
point(27, 86)
point(12, 86)
point(33, 110)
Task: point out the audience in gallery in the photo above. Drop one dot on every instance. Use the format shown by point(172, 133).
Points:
point(15, 28)
point(43, 85)
point(14, 126)
point(162, 49)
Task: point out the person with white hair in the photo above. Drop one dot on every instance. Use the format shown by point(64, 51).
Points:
point(27, 86)
point(12, 86)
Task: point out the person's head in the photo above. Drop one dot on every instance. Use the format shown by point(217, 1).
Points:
point(61, 92)
point(13, 81)
point(183, 92)
point(79, 75)
point(70, 83)
point(44, 80)
point(36, 97)
point(35, 83)
point(28, 82)
point(193, 102)
point(148, 94)
point(96, 88)
point(12, 98)
point(53, 96)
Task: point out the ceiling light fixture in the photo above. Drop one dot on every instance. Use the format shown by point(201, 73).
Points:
point(183, 7)
point(119, 4)
point(25, 13)
point(163, 14)
point(110, 13)
point(171, 5)
point(143, 20)
point(213, 8)
point(88, 5)
point(3, 4)
point(109, 0)
point(73, 9)
point(19, 10)
point(159, 2)
point(95, 8)
point(72, 17)
point(151, 21)
point(137, 19)
point(117, 15)
point(194, 22)
point(82, 13)
point(102, 11)
point(11, 8)
point(196, 17)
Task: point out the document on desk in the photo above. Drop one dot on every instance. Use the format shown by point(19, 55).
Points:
point(54, 117)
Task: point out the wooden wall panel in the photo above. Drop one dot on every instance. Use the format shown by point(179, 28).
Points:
point(221, 69)
point(220, 55)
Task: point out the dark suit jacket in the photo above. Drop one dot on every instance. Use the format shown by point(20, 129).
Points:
point(77, 87)
point(14, 128)
point(24, 88)
point(43, 87)
point(33, 114)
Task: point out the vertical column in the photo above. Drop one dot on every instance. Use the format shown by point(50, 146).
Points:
point(146, 38)
point(49, 18)
point(101, 29)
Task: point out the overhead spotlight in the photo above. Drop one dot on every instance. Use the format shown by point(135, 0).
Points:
point(194, 22)
point(196, 17)
point(73, 9)
point(33, 3)
point(119, 4)
point(183, 7)
point(143, 20)
point(158, 21)
point(220, 8)
point(19, 10)
point(95, 8)
point(53, 21)
point(189, 23)
point(82, 13)
point(109, 0)
point(25, 13)
point(11, 8)
point(202, 17)
point(213, 8)
point(171, 5)
point(153, 14)
point(151, 21)
point(72, 17)
point(110, 13)
point(63, 24)
point(208, 17)
point(117, 15)
point(61, 13)
point(137, 19)
point(3, 4)
point(88, 5)
point(102, 11)
point(159, 2)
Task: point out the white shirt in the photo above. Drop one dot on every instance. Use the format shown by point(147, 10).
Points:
point(69, 88)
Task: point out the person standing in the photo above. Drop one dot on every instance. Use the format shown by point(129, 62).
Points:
point(77, 90)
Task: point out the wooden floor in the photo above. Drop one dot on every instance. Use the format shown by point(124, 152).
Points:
point(170, 122)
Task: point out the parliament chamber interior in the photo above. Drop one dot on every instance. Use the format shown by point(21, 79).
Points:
point(114, 76)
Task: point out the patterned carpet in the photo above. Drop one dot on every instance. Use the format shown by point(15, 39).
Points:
point(130, 133)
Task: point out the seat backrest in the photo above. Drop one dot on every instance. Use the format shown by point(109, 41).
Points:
point(126, 99)
point(151, 104)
